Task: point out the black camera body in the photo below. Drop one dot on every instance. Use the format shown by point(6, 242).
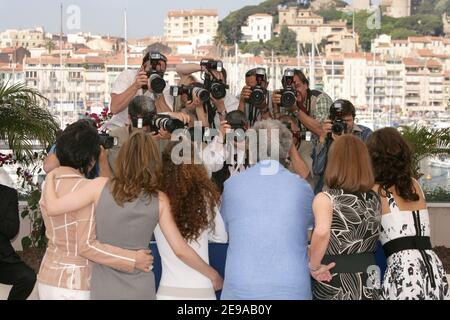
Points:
point(339, 125)
point(201, 93)
point(157, 82)
point(216, 87)
point(259, 93)
point(107, 141)
point(238, 122)
point(288, 93)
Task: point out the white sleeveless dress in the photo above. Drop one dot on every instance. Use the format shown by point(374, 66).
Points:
point(178, 280)
point(411, 274)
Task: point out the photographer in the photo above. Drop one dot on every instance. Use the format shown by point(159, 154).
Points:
point(255, 100)
point(341, 121)
point(224, 157)
point(142, 115)
point(296, 162)
point(312, 105)
point(215, 81)
point(310, 108)
point(148, 81)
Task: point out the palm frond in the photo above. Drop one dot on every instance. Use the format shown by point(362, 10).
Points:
point(425, 142)
point(24, 119)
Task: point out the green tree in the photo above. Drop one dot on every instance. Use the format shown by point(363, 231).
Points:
point(288, 41)
point(402, 33)
point(24, 120)
point(329, 14)
point(50, 46)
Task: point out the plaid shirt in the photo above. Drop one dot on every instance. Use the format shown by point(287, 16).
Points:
point(320, 106)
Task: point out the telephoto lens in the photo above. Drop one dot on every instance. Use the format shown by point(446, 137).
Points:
point(166, 123)
point(200, 93)
point(339, 126)
point(238, 122)
point(157, 83)
point(107, 141)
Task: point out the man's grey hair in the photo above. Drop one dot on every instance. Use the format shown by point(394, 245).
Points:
point(141, 105)
point(274, 141)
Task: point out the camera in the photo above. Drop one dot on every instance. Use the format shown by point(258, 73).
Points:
point(301, 135)
point(165, 122)
point(258, 95)
point(157, 82)
point(288, 93)
point(107, 141)
point(238, 122)
point(339, 125)
point(216, 87)
point(191, 91)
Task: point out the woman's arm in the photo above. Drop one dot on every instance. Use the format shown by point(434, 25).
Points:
point(297, 162)
point(73, 201)
point(323, 214)
point(117, 258)
point(179, 246)
point(219, 233)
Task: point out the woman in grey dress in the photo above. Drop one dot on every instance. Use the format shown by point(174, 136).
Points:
point(127, 210)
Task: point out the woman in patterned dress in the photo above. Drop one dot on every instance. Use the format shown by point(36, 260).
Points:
point(414, 272)
point(347, 223)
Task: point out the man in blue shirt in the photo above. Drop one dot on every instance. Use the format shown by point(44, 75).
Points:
point(267, 213)
point(320, 151)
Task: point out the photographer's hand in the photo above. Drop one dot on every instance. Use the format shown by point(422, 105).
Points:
point(161, 135)
point(224, 129)
point(246, 93)
point(183, 117)
point(103, 163)
point(141, 79)
point(326, 128)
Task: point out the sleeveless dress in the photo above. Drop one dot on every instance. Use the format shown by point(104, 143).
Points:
point(354, 234)
point(130, 227)
point(178, 280)
point(411, 274)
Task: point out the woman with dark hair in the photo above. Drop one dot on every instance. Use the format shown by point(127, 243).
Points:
point(414, 271)
point(65, 271)
point(127, 211)
point(194, 200)
point(347, 226)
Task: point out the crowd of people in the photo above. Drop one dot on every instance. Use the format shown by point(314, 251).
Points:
point(301, 193)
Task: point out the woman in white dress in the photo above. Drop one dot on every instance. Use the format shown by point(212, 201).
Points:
point(414, 271)
point(193, 197)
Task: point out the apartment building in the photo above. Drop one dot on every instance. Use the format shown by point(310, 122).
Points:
point(187, 24)
point(310, 27)
point(258, 28)
point(11, 73)
point(26, 38)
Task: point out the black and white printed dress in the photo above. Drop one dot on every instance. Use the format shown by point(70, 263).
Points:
point(355, 230)
point(411, 274)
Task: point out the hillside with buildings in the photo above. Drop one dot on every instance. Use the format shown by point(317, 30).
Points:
point(408, 74)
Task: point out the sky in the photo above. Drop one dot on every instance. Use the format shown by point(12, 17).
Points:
point(105, 17)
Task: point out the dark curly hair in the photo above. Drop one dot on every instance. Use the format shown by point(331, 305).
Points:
point(391, 159)
point(192, 195)
point(78, 146)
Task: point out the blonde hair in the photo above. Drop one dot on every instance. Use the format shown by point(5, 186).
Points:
point(138, 168)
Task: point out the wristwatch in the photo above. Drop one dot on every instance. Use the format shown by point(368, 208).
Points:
point(223, 113)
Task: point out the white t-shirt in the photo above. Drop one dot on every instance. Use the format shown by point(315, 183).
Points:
point(122, 83)
point(231, 104)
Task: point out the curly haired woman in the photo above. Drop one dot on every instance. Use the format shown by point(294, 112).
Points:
point(414, 271)
point(194, 200)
